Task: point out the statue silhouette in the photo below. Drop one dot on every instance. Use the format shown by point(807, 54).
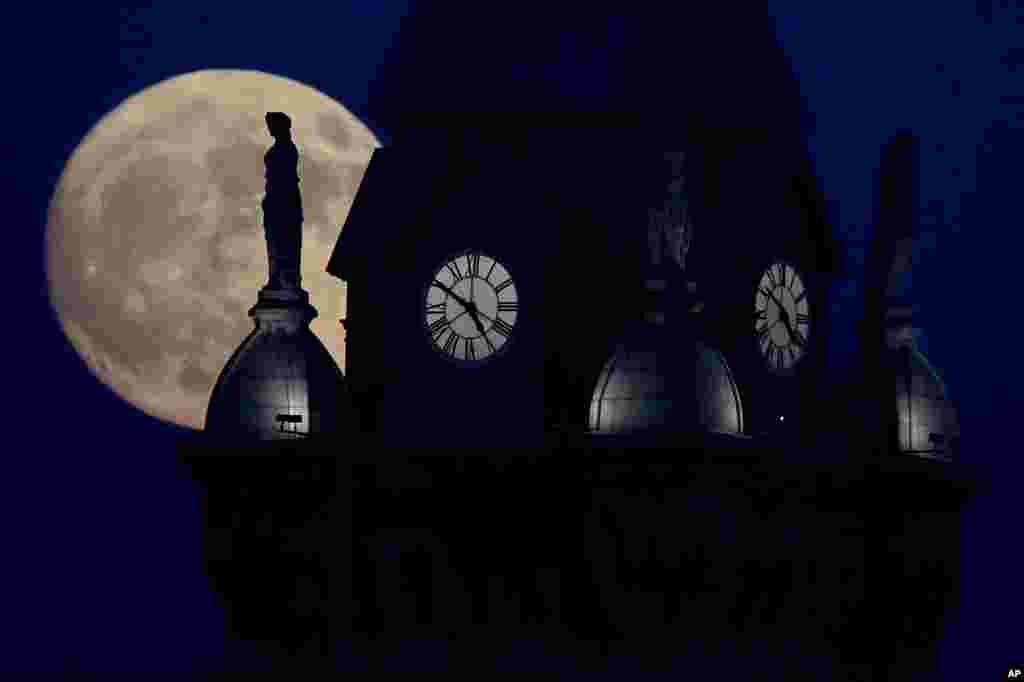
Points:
point(282, 206)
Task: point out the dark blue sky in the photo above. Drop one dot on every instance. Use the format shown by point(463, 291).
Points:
point(103, 546)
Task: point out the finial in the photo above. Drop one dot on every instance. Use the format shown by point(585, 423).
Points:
point(674, 214)
point(669, 232)
point(893, 243)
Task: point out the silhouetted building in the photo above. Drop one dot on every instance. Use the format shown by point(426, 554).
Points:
point(587, 405)
point(835, 530)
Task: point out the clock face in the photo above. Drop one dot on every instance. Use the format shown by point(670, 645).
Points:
point(782, 317)
point(470, 308)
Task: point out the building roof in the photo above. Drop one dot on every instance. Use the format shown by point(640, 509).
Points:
point(281, 383)
point(663, 378)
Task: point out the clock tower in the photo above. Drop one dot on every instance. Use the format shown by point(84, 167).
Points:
point(446, 286)
point(483, 305)
point(629, 465)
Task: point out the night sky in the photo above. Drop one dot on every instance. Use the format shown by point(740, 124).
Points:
point(101, 552)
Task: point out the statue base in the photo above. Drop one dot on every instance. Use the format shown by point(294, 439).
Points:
point(282, 309)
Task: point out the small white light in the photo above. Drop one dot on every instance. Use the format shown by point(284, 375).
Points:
point(781, 418)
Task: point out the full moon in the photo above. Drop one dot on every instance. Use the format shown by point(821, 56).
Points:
point(155, 245)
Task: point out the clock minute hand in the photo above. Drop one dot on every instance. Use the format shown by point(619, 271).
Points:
point(461, 301)
point(789, 327)
point(468, 305)
point(783, 313)
point(476, 320)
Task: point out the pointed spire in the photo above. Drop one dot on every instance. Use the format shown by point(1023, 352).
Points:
point(891, 257)
point(922, 420)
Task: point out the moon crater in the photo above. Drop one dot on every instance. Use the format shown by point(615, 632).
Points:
point(155, 245)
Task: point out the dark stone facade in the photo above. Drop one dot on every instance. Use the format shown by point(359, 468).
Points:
point(663, 556)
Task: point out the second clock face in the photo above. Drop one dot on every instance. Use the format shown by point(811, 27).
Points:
point(782, 317)
point(471, 308)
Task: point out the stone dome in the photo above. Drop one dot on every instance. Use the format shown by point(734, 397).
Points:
point(664, 379)
point(927, 423)
point(281, 383)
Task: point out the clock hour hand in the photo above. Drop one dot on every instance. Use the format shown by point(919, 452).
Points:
point(785, 321)
point(796, 336)
point(793, 335)
point(476, 320)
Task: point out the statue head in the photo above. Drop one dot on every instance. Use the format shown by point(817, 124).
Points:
point(279, 124)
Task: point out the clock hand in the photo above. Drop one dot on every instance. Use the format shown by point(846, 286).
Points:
point(772, 296)
point(797, 338)
point(476, 319)
point(783, 315)
point(461, 301)
point(469, 306)
point(785, 322)
point(473, 310)
point(794, 334)
point(457, 316)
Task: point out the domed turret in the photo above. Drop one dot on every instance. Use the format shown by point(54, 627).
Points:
point(665, 379)
point(281, 383)
point(662, 378)
point(918, 416)
point(927, 423)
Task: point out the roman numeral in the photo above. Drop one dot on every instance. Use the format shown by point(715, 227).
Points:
point(762, 334)
point(760, 315)
point(799, 338)
point(491, 345)
point(499, 287)
point(453, 268)
point(451, 343)
point(502, 327)
point(779, 362)
point(470, 349)
point(771, 278)
point(438, 326)
point(802, 296)
point(780, 269)
point(436, 308)
point(474, 264)
point(792, 354)
point(767, 293)
point(802, 319)
point(508, 306)
point(489, 271)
